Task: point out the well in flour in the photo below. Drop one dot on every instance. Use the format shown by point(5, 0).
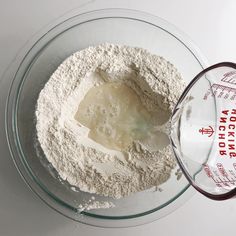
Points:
point(127, 149)
point(116, 118)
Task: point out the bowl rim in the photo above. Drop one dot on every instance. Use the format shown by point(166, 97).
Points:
point(12, 98)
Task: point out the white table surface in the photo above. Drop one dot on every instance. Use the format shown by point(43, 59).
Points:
point(210, 24)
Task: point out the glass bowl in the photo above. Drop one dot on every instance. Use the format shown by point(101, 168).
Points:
point(118, 26)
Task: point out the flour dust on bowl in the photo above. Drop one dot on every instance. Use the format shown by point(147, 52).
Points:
point(79, 189)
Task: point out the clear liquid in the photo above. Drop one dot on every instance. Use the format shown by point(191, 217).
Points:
point(116, 117)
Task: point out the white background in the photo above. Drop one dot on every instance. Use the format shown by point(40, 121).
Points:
point(212, 26)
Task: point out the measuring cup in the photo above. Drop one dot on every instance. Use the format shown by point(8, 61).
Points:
point(203, 131)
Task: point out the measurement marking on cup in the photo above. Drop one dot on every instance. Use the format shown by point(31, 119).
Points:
point(220, 176)
point(226, 182)
point(220, 91)
point(229, 77)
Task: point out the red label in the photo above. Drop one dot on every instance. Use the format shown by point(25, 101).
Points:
point(207, 131)
point(226, 133)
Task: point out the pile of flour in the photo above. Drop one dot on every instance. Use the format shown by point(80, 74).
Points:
point(87, 164)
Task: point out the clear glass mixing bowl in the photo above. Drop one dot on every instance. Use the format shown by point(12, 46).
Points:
point(118, 26)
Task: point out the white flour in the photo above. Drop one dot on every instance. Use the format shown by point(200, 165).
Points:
point(93, 204)
point(87, 164)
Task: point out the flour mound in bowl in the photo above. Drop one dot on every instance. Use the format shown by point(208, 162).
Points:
point(102, 119)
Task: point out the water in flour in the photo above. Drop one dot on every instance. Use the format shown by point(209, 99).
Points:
point(75, 153)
